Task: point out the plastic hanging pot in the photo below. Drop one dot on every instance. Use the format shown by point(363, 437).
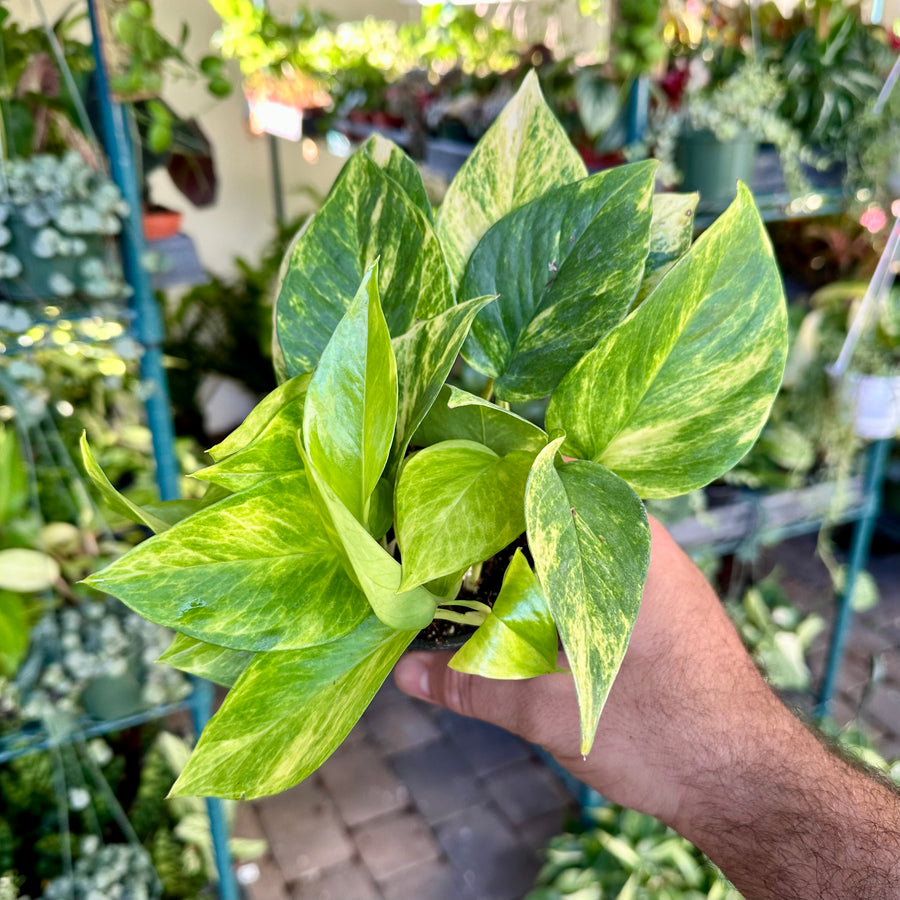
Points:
point(873, 401)
point(713, 167)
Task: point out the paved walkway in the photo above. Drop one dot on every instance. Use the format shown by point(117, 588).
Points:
point(421, 804)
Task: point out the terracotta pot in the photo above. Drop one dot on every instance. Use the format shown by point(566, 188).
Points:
point(159, 223)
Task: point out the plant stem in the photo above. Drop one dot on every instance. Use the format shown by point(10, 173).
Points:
point(472, 604)
point(470, 618)
point(488, 389)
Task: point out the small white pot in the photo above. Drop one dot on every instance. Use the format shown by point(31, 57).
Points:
point(874, 402)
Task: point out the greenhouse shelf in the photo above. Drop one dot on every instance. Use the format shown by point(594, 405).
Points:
point(145, 326)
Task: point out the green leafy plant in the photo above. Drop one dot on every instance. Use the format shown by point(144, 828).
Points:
point(626, 854)
point(55, 214)
point(745, 102)
point(364, 496)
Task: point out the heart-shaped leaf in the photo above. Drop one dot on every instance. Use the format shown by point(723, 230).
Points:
point(374, 569)
point(518, 639)
point(678, 393)
point(260, 741)
point(425, 355)
point(367, 216)
point(457, 503)
point(521, 155)
point(567, 267)
point(351, 402)
point(253, 572)
point(220, 665)
point(588, 534)
point(457, 414)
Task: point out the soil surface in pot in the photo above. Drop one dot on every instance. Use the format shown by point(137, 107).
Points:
point(443, 635)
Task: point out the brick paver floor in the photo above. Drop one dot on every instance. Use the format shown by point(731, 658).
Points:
point(422, 804)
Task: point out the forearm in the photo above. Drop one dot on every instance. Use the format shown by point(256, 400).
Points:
point(785, 818)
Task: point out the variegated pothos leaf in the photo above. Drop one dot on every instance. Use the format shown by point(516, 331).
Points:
point(288, 712)
point(255, 571)
point(677, 394)
point(521, 155)
point(425, 355)
point(588, 534)
point(457, 503)
point(351, 403)
point(518, 639)
point(567, 267)
point(368, 215)
point(457, 414)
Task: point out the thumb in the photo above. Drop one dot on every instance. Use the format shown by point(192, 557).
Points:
point(541, 710)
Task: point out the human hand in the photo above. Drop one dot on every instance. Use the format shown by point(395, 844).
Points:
point(691, 734)
point(684, 673)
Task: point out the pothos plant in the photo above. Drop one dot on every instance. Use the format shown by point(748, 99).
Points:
point(345, 512)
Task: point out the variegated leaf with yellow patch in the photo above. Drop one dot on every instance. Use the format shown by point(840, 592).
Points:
point(677, 394)
point(521, 155)
point(566, 268)
point(350, 409)
point(518, 639)
point(588, 534)
point(288, 712)
point(457, 503)
point(251, 572)
point(368, 215)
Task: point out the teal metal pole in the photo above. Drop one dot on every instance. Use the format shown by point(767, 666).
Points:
point(201, 707)
point(638, 110)
point(148, 327)
point(859, 553)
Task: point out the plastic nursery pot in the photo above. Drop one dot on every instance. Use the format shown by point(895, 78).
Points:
point(873, 402)
point(713, 167)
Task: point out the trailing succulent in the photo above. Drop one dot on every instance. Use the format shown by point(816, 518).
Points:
point(344, 513)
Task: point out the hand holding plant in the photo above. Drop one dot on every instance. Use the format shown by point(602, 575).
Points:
point(345, 512)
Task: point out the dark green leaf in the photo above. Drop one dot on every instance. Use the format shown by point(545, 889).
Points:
point(567, 267)
point(521, 155)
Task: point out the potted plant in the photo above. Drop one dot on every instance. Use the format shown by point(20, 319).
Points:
point(706, 138)
point(56, 217)
point(358, 503)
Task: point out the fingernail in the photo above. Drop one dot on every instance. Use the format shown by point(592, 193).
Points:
point(411, 676)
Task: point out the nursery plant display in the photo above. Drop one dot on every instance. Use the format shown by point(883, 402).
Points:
point(58, 209)
point(363, 500)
